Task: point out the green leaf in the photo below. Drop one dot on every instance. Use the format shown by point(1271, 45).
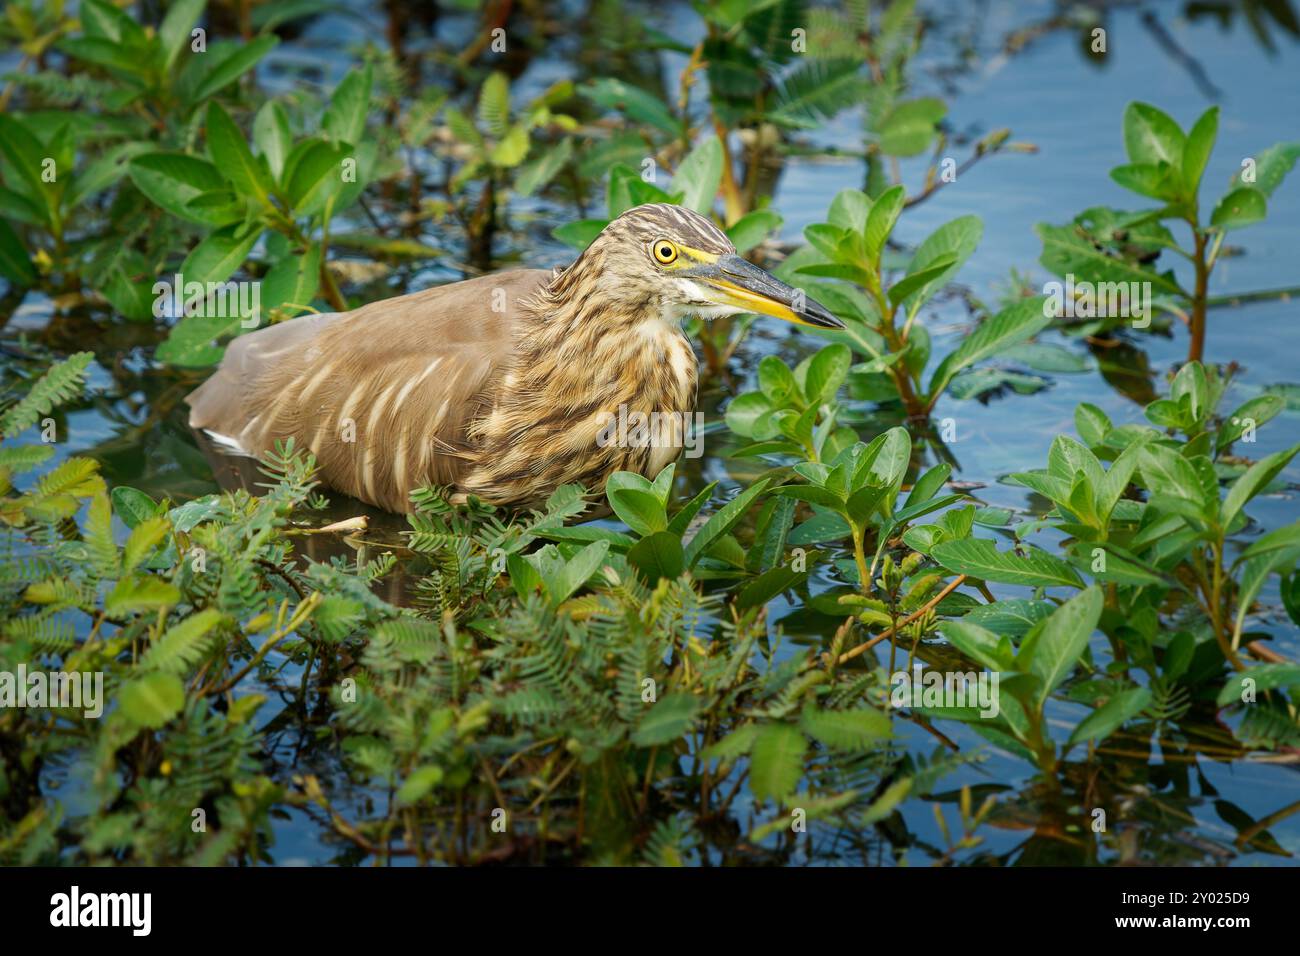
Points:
point(981, 645)
point(639, 510)
point(512, 148)
point(826, 372)
point(241, 58)
point(231, 155)
point(540, 171)
point(1151, 136)
point(980, 558)
point(272, 136)
point(419, 785)
point(133, 506)
point(1019, 321)
point(1263, 677)
point(752, 228)
point(152, 700)
point(848, 731)
point(776, 761)
point(958, 239)
point(15, 264)
point(1270, 167)
point(667, 720)
point(1250, 484)
point(699, 175)
point(494, 104)
point(25, 156)
point(905, 286)
point(1196, 151)
point(579, 234)
point(817, 90)
point(880, 223)
point(183, 646)
point(909, 128)
point(1157, 182)
point(345, 118)
point(722, 521)
point(138, 593)
point(658, 555)
point(1069, 250)
point(1241, 207)
point(175, 30)
point(577, 570)
point(634, 102)
point(292, 281)
point(313, 173)
point(217, 257)
point(172, 180)
point(1165, 472)
point(1063, 637)
point(1112, 715)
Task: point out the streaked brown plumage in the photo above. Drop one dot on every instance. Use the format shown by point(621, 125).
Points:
point(496, 386)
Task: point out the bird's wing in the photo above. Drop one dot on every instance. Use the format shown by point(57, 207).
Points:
point(382, 395)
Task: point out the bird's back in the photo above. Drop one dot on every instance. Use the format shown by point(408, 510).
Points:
point(383, 395)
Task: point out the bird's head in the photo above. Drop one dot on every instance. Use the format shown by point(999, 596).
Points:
point(682, 261)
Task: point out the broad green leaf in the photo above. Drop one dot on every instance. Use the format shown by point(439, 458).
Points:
point(880, 223)
point(272, 136)
point(722, 521)
point(313, 173)
point(637, 104)
point(957, 238)
point(1257, 476)
point(1267, 170)
point(577, 570)
point(15, 264)
point(1112, 715)
point(217, 257)
point(345, 118)
point(241, 58)
point(658, 555)
point(826, 372)
point(1196, 151)
point(175, 30)
point(752, 228)
point(1063, 637)
point(1151, 136)
point(909, 128)
point(905, 286)
point(1262, 677)
point(980, 558)
point(1241, 207)
point(231, 155)
point(1013, 325)
point(699, 175)
point(172, 180)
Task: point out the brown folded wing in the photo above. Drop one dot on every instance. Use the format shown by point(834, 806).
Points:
point(382, 395)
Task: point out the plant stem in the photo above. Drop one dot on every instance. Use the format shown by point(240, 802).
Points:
point(1197, 347)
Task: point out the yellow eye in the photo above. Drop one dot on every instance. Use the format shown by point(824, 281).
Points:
point(665, 251)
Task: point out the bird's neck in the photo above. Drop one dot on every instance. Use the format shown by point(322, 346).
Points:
point(610, 348)
point(578, 360)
